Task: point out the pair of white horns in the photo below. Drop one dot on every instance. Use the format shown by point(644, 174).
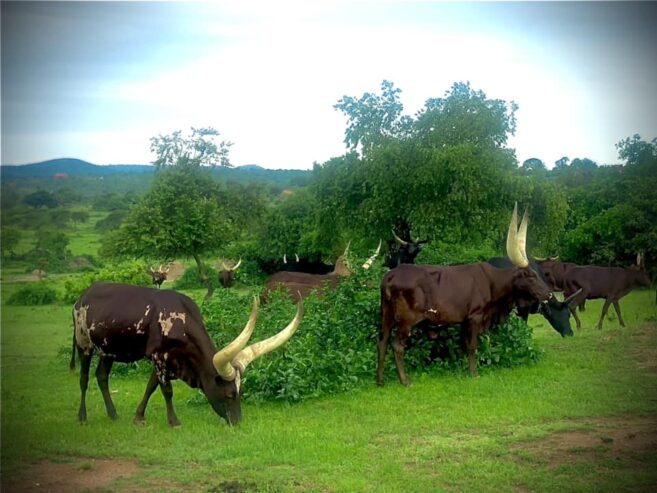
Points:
point(233, 268)
point(160, 270)
point(516, 239)
point(236, 356)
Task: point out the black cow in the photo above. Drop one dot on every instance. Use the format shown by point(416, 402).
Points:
point(306, 265)
point(127, 323)
point(159, 275)
point(404, 251)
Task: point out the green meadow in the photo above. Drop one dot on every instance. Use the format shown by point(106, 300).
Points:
point(582, 419)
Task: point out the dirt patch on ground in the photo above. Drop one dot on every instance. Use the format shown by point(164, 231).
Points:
point(74, 475)
point(618, 438)
point(176, 270)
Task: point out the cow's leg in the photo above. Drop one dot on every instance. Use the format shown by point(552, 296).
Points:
point(150, 388)
point(167, 391)
point(523, 312)
point(605, 307)
point(102, 377)
point(398, 347)
point(618, 312)
point(387, 323)
point(470, 339)
point(85, 363)
point(573, 312)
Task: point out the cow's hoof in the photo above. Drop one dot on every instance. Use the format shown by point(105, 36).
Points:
point(174, 423)
point(141, 421)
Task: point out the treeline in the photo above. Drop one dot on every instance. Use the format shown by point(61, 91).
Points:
point(445, 175)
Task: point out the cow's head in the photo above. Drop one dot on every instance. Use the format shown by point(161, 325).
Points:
point(224, 389)
point(227, 275)
point(159, 275)
point(642, 277)
point(408, 249)
point(558, 313)
point(527, 283)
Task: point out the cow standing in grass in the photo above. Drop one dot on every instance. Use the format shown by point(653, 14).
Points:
point(159, 275)
point(404, 252)
point(610, 283)
point(227, 274)
point(128, 323)
point(474, 296)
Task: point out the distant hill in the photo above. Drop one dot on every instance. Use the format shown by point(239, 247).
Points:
point(75, 167)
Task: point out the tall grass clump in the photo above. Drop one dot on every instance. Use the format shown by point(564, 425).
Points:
point(335, 348)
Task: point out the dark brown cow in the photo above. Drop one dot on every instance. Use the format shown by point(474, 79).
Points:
point(476, 296)
point(227, 274)
point(610, 283)
point(159, 275)
point(555, 272)
point(300, 284)
point(127, 323)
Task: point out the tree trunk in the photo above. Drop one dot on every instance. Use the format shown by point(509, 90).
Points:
point(203, 276)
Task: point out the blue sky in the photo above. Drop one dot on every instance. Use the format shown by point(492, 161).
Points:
point(96, 80)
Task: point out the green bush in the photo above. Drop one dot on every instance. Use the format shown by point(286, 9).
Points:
point(191, 280)
point(36, 293)
point(335, 348)
point(128, 272)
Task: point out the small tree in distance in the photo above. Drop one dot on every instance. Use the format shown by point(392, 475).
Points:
point(181, 214)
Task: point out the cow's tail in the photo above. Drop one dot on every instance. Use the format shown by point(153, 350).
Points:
point(71, 365)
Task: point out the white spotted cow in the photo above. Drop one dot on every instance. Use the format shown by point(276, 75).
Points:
point(127, 323)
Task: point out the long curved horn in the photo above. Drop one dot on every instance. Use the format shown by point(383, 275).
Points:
point(570, 298)
point(296, 257)
point(522, 236)
point(368, 263)
point(247, 355)
point(222, 359)
point(512, 244)
point(346, 249)
point(285, 258)
point(398, 239)
point(224, 266)
point(237, 265)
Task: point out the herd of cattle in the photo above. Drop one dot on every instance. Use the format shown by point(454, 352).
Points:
point(127, 323)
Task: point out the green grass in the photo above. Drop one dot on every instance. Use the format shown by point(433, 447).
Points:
point(444, 433)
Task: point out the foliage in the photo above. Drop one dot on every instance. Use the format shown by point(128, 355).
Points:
point(192, 280)
point(41, 198)
point(197, 149)
point(334, 350)
point(110, 222)
point(11, 237)
point(34, 293)
point(126, 272)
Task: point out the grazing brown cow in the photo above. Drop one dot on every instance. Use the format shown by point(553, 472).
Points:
point(476, 296)
point(300, 284)
point(610, 283)
point(227, 275)
point(127, 323)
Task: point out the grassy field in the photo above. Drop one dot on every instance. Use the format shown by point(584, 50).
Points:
point(583, 419)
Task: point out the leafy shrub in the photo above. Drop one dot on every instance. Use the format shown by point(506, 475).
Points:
point(191, 280)
point(128, 272)
point(335, 348)
point(35, 293)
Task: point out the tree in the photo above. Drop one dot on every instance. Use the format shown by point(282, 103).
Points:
point(198, 149)
point(40, 199)
point(534, 166)
point(640, 156)
point(181, 214)
point(11, 237)
point(372, 118)
point(561, 163)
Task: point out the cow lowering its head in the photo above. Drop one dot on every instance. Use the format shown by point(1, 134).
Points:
point(159, 275)
point(127, 323)
point(589, 282)
point(556, 312)
point(475, 296)
point(405, 251)
point(299, 285)
point(227, 274)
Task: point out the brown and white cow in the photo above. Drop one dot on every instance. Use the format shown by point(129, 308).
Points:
point(128, 323)
point(474, 296)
